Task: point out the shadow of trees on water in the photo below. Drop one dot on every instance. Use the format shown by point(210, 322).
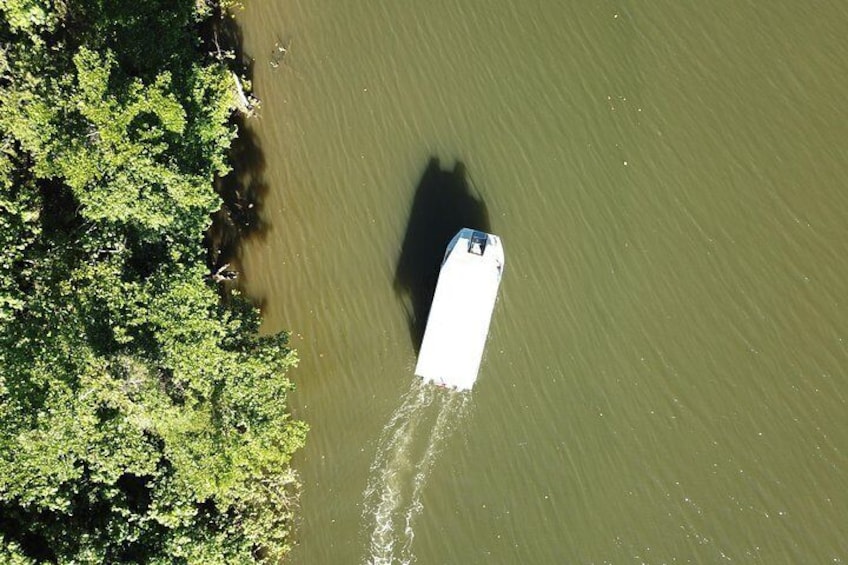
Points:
point(442, 205)
point(244, 188)
point(242, 192)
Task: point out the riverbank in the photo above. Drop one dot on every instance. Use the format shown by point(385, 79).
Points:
point(143, 418)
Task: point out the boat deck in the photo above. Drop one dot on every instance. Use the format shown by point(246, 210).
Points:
point(458, 324)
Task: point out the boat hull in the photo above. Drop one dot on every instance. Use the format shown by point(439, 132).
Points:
point(461, 312)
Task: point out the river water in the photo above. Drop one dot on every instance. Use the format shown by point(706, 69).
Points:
point(665, 378)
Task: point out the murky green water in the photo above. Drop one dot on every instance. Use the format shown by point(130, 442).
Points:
point(665, 380)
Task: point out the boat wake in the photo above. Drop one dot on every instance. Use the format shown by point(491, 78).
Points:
point(406, 452)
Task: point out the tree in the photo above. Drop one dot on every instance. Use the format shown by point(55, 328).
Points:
point(142, 417)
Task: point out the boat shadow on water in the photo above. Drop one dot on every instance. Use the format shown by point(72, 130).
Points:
point(444, 202)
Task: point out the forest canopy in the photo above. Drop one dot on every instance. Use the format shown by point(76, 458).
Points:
point(142, 417)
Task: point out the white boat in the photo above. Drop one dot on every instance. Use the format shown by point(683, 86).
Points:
point(461, 311)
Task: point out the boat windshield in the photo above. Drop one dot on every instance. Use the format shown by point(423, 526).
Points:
point(477, 244)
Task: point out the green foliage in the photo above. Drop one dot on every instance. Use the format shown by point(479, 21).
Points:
point(141, 419)
point(19, 228)
point(29, 17)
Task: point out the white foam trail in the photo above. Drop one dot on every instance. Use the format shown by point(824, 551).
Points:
point(406, 452)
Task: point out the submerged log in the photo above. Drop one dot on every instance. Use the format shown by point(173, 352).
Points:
point(281, 49)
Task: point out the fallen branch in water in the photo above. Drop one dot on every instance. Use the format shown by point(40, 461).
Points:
point(247, 103)
point(223, 274)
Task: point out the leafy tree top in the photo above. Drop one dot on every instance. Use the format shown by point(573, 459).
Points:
point(142, 418)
